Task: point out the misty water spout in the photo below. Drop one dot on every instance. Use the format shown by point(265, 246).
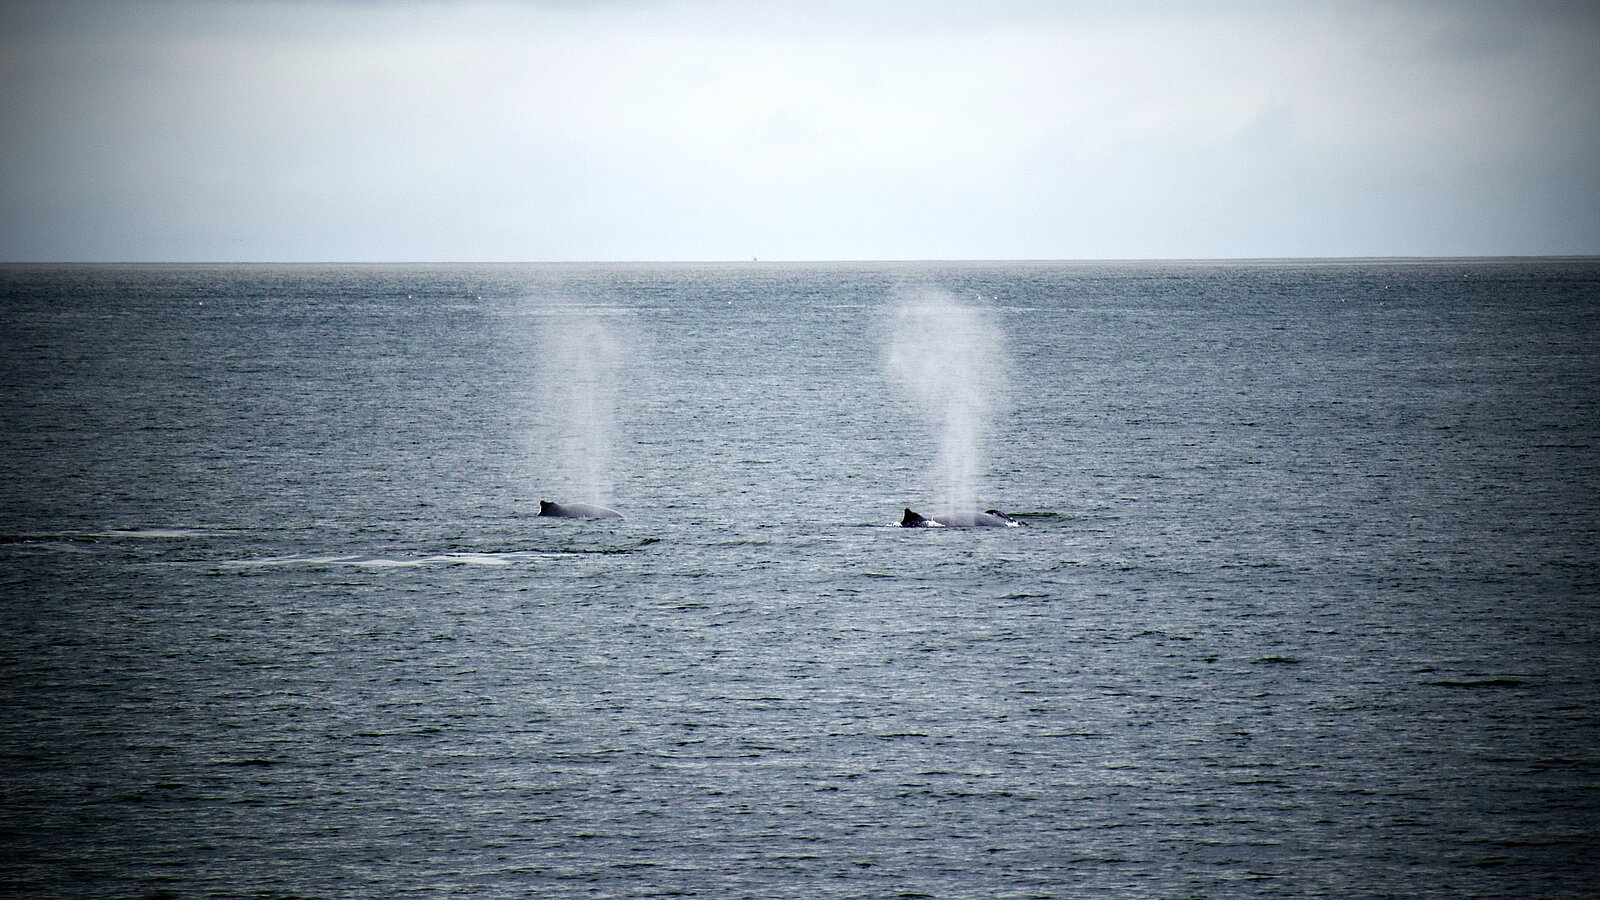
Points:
point(947, 358)
point(580, 366)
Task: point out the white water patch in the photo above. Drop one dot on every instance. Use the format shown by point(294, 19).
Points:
point(369, 561)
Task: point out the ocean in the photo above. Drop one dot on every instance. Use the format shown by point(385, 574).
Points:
point(1305, 599)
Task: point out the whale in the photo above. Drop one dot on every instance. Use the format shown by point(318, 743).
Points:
point(576, 510)
point(989, 518)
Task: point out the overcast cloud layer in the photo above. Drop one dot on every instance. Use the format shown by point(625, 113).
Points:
point(276, 130)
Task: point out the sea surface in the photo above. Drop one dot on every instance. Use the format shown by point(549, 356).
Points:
point(1306, 601)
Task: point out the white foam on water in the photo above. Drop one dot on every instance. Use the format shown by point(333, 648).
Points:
point(369, 561)
point(267, 561)
point(478, 559)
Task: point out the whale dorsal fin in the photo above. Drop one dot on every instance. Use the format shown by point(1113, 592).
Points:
point(911, 519)
point(544, 507)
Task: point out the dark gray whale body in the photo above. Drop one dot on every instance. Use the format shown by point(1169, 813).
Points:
point(576, 510)
point(989, 518)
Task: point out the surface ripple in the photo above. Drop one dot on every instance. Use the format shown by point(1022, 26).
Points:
point(1305, 602)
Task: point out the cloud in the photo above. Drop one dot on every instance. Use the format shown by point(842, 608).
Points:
point(479, 130)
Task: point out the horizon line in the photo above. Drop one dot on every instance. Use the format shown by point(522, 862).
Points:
point(758, 261)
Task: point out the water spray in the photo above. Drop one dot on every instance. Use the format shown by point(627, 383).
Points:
point(948, 359)
point(580, 364)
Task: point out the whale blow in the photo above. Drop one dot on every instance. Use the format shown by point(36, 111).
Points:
point(949, 359)
point(989, 518)
point(576, 510)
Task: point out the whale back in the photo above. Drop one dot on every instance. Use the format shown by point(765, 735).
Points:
point(989, 518)
point(1002, 517)
point(576, 510)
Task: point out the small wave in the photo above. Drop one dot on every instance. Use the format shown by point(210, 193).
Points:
point(153, 533)
point(578, 310)
point(81, 541)
point(496, 558)
point(1478, 682)
point(89, 537)
point(391, 562)
point(38, 538)
point(45, 543)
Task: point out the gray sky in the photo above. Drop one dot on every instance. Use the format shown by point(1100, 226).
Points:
point(412, 131)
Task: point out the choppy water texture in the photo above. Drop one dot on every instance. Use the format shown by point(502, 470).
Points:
point(1306, 601)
